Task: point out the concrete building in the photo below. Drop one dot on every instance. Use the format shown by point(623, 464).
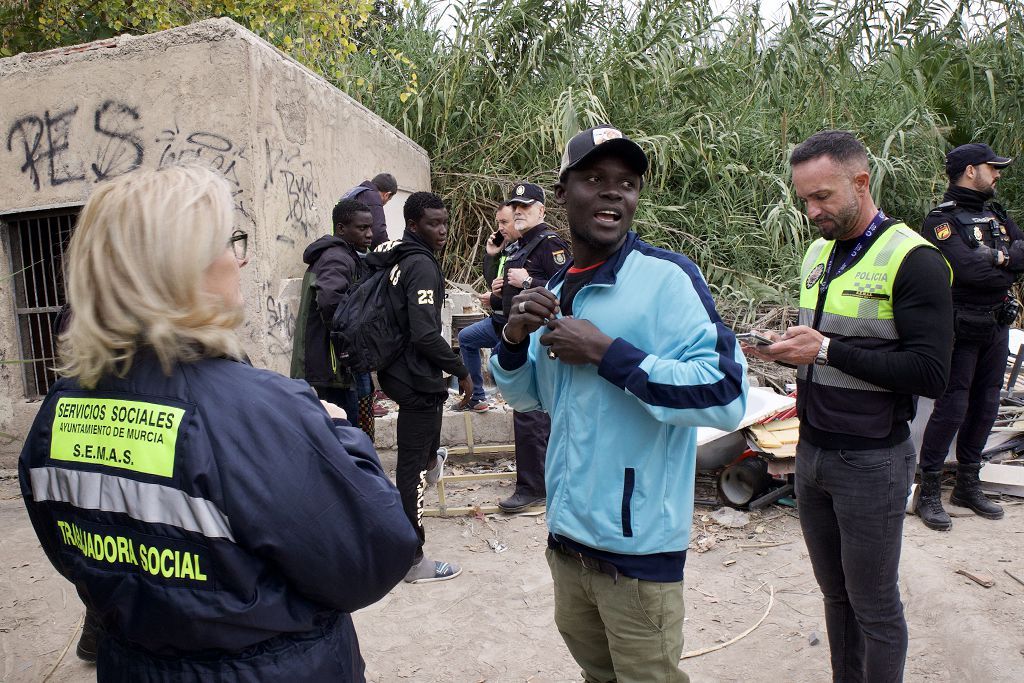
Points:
point(288, 142)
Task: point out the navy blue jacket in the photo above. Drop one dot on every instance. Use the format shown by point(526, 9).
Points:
point(216, 521)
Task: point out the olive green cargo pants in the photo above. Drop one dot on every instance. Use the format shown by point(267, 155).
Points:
point(621, 631)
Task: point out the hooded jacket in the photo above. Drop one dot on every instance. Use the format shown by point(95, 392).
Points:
point(370, 196)
point(335, 268)
point(416, 291)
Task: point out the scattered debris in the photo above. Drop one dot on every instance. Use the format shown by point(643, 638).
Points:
point(730, 517)
point(496, 546)
point(1014, 577)
point(728, 563)
point(713, 648)
point(979, 578)
point(1005, 479)
point(814, 638)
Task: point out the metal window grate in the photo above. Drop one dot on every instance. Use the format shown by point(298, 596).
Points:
point(37, 242)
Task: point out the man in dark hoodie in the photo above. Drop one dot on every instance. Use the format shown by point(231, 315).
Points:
point(375, 194)
point(334, 268)
point(415, 380)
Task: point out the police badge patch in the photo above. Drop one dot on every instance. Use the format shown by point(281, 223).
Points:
point(942, 232)
point(558, 257)
point(815, 275)
point(978, 234)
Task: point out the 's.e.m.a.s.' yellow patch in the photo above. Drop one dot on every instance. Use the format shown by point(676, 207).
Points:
point(131, 435)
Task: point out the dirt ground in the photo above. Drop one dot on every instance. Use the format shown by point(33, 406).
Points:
point(494, 623)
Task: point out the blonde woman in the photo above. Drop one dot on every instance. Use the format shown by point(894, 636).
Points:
point(216, 520)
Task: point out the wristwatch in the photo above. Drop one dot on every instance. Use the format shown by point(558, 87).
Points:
point(822, 357)
point(528, 282)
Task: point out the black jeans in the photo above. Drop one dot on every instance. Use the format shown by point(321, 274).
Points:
point(851, 511)
point(969, 404)
point(531, 434)
point(419, 436)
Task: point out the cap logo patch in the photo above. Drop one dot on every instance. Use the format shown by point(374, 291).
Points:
point(520, 190)
point(605, 134)
point(815, 275)
point(942, 232)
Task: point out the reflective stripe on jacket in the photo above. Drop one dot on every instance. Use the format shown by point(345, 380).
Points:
point(216, 516)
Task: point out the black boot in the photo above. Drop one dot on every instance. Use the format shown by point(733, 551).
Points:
point(967, 493)
point(929, 505)
point(86, 649)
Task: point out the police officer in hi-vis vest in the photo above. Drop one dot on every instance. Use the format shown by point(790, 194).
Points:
point(986, 250)
point(875, 330)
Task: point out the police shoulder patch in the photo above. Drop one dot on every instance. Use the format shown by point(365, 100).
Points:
point(558, 257)
point(815, 275)
point(943, 231)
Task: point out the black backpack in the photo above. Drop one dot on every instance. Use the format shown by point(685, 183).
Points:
point(365, 330)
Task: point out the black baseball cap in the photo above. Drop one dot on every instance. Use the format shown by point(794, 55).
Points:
point(526, 193)
point(973, 154)
point(605, 139)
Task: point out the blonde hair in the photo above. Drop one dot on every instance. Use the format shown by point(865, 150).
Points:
point(135, 273)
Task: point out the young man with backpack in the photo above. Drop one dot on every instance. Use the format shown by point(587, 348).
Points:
point(414, 380)
point(334, 268)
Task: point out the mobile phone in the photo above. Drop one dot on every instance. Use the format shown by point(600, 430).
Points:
point(497, 238)
point(754, 339)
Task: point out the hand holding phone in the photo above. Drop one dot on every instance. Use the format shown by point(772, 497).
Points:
point(753, 338)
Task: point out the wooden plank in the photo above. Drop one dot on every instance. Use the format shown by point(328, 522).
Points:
point(764, 438)
point(782, 425)
point(496, 448)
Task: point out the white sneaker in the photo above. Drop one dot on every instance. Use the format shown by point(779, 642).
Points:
point(428, 571)
point(437, 471)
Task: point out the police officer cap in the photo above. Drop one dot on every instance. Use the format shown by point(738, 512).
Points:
point(972, 155)
point(526, 193)
point(605, 139)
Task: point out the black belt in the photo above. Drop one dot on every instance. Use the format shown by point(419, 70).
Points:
point(587, 561)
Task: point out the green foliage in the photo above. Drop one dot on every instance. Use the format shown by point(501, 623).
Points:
point(495, 88)
point(319, 33)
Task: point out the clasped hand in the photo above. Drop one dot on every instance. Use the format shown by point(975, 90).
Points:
point(570, 340)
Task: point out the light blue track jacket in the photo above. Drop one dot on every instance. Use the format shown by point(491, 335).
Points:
point(622, 454)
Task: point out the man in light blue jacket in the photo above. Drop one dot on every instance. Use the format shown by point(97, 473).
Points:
point(626, 352)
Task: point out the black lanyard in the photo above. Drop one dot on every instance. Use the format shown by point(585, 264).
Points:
point(862, 242)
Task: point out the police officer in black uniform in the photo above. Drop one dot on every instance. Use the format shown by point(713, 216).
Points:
point(541, 254)
point(985, 248)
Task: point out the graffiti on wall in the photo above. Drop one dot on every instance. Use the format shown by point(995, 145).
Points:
point(89, 143)
point(287, 170)
point(43, 145)
point(214, 150)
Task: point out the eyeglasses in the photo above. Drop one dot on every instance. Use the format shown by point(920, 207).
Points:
point(239, 243)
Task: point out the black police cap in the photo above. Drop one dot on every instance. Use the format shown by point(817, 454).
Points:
point(973, 154)
point(526, 193)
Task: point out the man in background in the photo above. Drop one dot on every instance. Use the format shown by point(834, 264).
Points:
point(375, 194)
point(334, 267)
point(415, 380)
point(541, 254)
point(986, 250)
point(483, 334)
